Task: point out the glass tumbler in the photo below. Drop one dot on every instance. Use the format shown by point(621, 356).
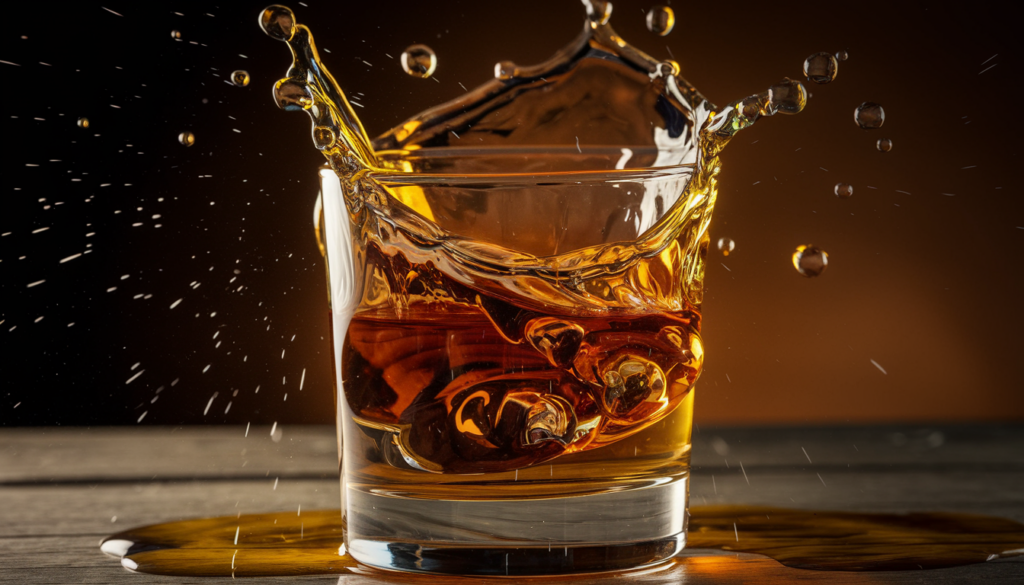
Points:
point(515, 334)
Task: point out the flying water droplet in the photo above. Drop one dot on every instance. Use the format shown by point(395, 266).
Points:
point(278, 22)
point(324, 137)
point(810, 260)
point(726, 245)
point(844, 190)
point(821, 68)
point(187, 138)
point(842, 55)
point(419, 61)
point(175, 34)
point(240, 77)
point(505, 70)
point(83, 122)
point(869, 116)
point(787, 97)
point(884, 144)
point(661, 20)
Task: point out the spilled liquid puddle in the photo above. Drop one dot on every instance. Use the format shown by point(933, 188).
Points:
point(287, 544)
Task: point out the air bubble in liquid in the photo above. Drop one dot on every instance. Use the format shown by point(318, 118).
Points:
point(844, 190)
point(419, 61)
point(661, 20)
point(842, 55)
point(821, 68)
point(187, 138)
point(884, 144)
point(324, 137)
point(83, 122)
point(810, 261)
point(869, 116)
point(787, 96)
point(726, 245)
point(175, 34)
point(240, 77)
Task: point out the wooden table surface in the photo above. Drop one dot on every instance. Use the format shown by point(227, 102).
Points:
point(63, 489)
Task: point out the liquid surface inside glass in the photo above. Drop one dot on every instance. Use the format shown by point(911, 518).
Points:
point(516, 279)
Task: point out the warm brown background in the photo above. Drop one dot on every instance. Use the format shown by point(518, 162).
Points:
point(924, 275)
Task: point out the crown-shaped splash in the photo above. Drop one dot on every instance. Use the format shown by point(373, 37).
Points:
point(567, 100)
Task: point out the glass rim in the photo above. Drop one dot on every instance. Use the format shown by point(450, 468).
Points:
point(398, 177)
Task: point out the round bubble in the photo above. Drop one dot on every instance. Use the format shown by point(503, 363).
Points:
point(187, 138)
point(842, 55)
point(661, 20)
point(787, 96)
point(810, 260)
point(869, 116)
point(419, 61)
point(175, 34)
point(324, 137)
point(844, 190)
point(884, 144)
point(821, 68)
point(240, 78)
point(83, 122)
point(726, 245)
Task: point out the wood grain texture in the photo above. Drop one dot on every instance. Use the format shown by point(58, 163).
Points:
point(61, 488)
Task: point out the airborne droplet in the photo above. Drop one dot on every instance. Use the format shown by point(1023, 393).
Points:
point(175, 34)
point(821, 68)
point(505, 70)
point(810, 260)
point(187, 138)
point(787, 96)
point(661, 20)
point(726, 245)
point(419, 61)
point(842, 55)
point(83, 122)
point(869, 116)
point(884, 144)
point(844, 190)
point(240, 77)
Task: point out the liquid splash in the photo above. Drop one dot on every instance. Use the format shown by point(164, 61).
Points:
point(286, 544)
point(597, 105)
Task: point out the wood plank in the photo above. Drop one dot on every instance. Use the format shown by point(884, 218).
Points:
point(60, 488)
point(97, 454)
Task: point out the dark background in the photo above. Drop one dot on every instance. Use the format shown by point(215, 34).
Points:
point(925, 259)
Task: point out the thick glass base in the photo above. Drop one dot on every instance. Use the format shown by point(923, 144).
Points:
point(584, 534)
